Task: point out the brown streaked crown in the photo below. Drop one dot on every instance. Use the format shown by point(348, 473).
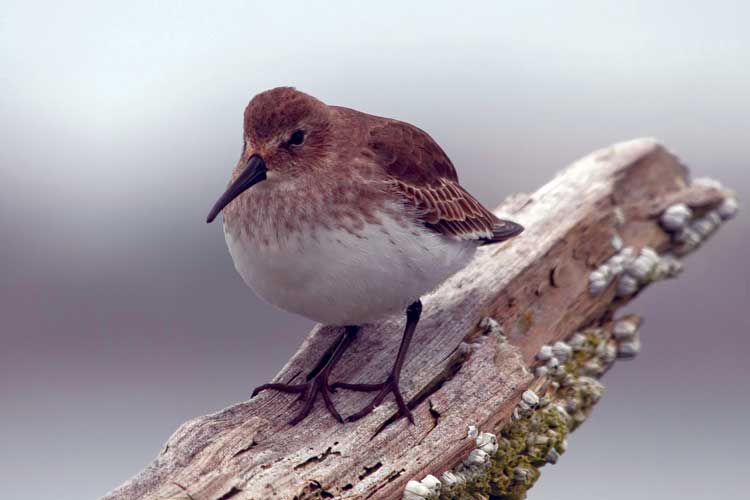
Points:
point(273, 117)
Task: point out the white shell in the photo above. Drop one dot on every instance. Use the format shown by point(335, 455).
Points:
point(688, 236)
point(628, 350)
point(617, 243)
point(451, 478)
point(703, 226)
point(562, 350)
point(563, 445)
point(408, 495)
point(415, 490)
point(593, 367)
point(619, 216)
point(606, 271)
point(563, 413)
point(624, 330)
point(599, 280)
point(667, 267)
point(609, 353)
point(627, 285)
point(577, 341)
point(487, 442)
point(676, 217)
point(552, 456)
point(537, 439)
point(728, 208)
point(641, 266)
point(714, 217)
point(477, 458)
point(628, 252)
point(473, 432)
point(530, 398)
point(650, 253)
point(520, 474)
point(618, 262)
point(544, 353)
point(432, 483)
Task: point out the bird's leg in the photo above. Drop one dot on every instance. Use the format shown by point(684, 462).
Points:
point(317, 380)
point(391, 383)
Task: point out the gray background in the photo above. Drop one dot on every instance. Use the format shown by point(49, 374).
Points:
point(122, 315)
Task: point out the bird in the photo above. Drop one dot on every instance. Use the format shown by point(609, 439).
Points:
point(345, 218)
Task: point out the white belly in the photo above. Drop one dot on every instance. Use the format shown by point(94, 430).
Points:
point(340, 278)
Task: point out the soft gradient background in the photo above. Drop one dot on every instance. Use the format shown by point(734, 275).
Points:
point(121, 313)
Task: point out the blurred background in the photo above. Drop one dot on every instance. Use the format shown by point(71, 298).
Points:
point(121, 313)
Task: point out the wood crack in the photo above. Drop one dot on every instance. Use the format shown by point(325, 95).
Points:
point(536, 286)
point(317, 458)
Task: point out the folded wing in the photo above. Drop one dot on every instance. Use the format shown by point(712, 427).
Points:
point(420, 171)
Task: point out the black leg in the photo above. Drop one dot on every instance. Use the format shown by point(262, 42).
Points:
point(391, 383)
point(317, 380)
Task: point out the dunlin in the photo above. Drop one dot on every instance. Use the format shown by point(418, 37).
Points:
point(351, 217)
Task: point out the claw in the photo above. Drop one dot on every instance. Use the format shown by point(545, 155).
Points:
point(390, 385)
point(308, 393)
point(288, 388)
point(318, 380)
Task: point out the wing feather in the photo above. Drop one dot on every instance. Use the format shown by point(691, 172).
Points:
point(420, 171)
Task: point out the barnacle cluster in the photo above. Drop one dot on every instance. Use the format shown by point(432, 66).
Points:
point(688, 230)
point(505, 465)
point(631, 270)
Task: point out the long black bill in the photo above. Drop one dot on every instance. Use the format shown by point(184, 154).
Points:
point(255, 171)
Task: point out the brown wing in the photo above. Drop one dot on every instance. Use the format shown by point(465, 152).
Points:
point(418, 169)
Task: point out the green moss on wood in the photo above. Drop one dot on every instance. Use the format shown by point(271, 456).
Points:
point(534, 438)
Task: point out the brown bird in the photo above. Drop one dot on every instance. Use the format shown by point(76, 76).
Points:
point(351, 217)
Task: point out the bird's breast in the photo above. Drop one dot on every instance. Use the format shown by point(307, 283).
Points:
point(344, 269)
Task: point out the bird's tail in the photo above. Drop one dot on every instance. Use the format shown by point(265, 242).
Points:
point(503, 230)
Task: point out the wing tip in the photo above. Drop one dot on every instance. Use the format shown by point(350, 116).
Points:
point(504, 230)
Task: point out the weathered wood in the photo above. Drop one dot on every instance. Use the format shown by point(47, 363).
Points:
point(536, 286)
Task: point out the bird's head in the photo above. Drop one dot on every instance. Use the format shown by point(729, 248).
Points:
point(286, 134)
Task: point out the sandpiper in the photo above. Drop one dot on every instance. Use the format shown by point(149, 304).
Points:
point(351, 217)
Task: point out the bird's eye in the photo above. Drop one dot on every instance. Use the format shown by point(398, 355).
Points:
point(297, 138)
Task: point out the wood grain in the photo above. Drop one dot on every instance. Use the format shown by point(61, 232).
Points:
point(536, 286)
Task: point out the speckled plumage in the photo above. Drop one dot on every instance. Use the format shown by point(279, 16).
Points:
point(355, 177)
point(344, 217)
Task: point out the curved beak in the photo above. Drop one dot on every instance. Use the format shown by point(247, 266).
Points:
point(255, 171)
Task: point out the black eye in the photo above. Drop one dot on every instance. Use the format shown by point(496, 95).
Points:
point(297, 138)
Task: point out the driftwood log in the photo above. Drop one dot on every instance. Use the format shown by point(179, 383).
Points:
point(556, 279)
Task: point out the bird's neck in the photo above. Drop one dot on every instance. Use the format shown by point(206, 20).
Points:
point(273, 213)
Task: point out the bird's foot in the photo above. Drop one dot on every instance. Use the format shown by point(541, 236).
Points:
point(308, 392)
point(390, 385)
